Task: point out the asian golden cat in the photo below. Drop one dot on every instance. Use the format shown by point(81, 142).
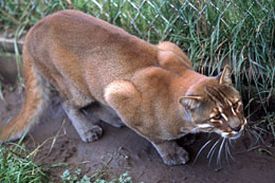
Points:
point(152, 88)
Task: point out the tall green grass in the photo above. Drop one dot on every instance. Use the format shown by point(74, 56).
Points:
point(213, 33)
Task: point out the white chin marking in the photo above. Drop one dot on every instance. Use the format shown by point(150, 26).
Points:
point(232, 135)
point(225, 134)
point(205, 125)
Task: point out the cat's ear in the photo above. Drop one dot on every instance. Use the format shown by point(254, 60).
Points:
point(190, 102)
point(225, 76)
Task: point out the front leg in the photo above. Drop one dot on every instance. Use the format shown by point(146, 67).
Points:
point(123, 97)
point(171, 153)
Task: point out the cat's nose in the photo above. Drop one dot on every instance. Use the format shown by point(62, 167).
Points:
point(236, 129)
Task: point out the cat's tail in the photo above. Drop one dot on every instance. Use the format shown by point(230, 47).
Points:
point(36, 97)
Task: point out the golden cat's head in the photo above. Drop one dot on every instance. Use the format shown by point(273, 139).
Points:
point(214, 105)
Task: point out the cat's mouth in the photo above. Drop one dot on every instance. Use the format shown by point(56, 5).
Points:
point(228, 133)
point(233, 134)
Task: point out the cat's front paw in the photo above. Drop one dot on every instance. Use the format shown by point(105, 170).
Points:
point(178, 157)
point(171, 153)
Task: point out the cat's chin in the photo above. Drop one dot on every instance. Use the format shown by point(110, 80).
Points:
point(231, 136)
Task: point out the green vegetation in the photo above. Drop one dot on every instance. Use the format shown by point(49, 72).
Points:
point(17, 166)
point(76, 177)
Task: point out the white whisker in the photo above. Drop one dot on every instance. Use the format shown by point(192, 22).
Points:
point(226, 151)
point(212, 151)
point(220, 151)
point(201, 149)
point(227, 147)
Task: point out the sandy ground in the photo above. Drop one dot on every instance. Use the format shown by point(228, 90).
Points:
point(121, 150)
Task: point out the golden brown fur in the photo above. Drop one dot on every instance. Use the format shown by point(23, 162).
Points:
point(152, 88)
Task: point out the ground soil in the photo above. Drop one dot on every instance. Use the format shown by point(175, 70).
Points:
point(121, 150)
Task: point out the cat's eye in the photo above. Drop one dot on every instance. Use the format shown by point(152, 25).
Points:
point(217, 116)
point(235, 105)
